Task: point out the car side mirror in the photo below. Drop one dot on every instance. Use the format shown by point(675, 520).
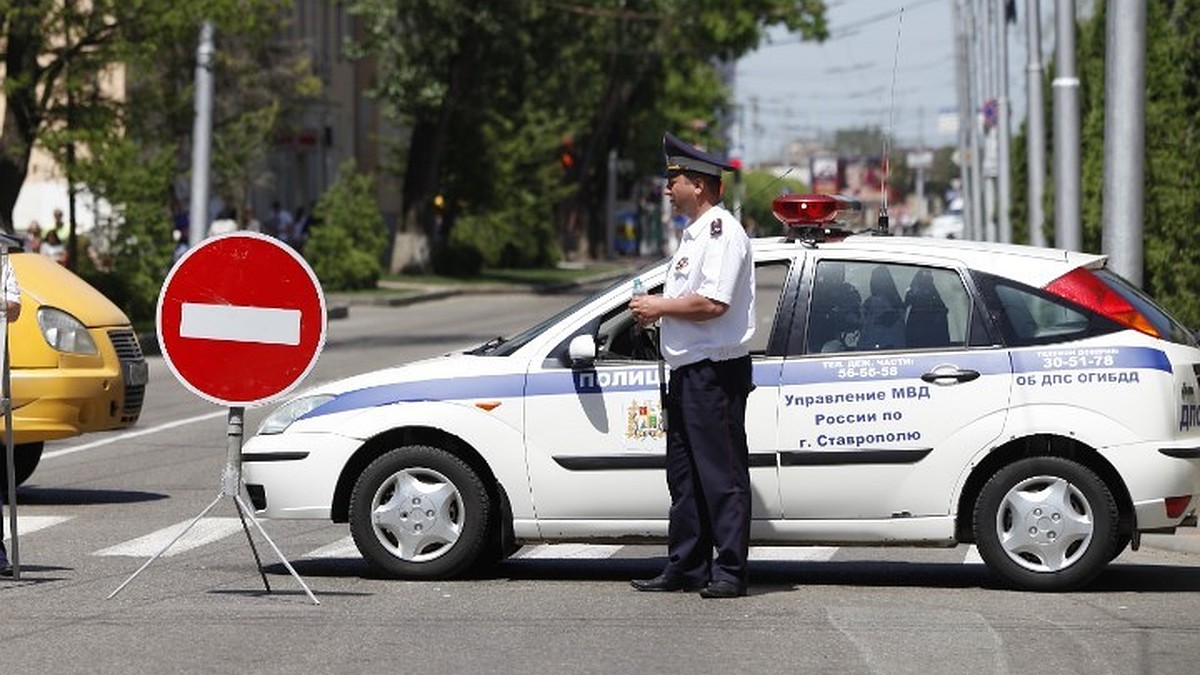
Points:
point(582, 351)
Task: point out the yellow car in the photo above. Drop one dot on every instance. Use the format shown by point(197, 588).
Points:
point(77, 365)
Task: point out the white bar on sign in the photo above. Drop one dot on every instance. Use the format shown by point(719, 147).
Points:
point(240, 324)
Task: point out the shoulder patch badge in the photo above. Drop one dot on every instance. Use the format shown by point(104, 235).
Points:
point(714, 230)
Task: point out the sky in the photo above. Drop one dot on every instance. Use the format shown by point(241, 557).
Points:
point(788, 89)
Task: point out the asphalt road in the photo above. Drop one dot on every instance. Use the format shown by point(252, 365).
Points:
point(100, 506)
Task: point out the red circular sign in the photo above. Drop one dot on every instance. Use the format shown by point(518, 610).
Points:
point(241, 319)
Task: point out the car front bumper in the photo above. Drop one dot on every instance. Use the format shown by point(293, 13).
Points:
point(295, 475)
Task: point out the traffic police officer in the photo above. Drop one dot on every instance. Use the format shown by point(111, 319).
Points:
point(707, 313)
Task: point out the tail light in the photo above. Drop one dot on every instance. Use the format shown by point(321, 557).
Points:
point(1176, 505)
point(1087, 290)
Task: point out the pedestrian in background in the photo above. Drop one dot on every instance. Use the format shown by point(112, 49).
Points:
point(33, 237)
point(707, 313)
point(53, 247)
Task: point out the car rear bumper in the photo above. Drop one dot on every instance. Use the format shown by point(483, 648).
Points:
point(1155, 472)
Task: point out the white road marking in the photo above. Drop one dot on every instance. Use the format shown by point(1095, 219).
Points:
point(131, 434)
point(265, 325)
point(793, 553)
point(206, 531)
point(342, 548)
point(28, 524)
point(576, 551)
point(972, 557)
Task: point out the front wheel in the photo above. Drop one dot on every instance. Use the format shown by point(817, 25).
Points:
point(419, 512)
point(25, 459)
point(1046, 524)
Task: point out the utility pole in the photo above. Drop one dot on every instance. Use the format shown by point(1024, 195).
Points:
point(977, 224)
point(1068, 232)
point(1036, 141)
point(201, 137)
point(991, 166)
point(1004, 196)
point(1124, 136)
point(964, 116)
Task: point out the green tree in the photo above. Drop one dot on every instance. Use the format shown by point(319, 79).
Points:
point(610, 74)
point(761, 188)
point(1171, 209)
point(348, 237)
point(126, 144)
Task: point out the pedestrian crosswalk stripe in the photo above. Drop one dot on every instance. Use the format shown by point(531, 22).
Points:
point(28, 524)
point(577, 551)
point(793, 553)
point(972, 557)
point(206, 531)
point(342, 548)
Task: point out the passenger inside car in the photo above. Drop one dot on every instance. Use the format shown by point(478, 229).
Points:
point(883, 313)
point(927, 324)
point(836, 313)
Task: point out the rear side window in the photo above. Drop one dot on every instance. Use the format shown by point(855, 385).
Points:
point(1030, 316)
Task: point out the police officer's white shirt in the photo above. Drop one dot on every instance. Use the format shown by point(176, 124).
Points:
point(713, 260)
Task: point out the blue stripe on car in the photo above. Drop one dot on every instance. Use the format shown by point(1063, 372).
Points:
point(846, 368)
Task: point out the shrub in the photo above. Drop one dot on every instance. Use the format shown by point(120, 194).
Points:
point(347, 239)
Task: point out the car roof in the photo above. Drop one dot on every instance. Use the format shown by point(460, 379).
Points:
point(1029, 264)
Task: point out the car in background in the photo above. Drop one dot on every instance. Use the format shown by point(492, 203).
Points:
point(948, 225)
point(910, 391)
point(76, 363)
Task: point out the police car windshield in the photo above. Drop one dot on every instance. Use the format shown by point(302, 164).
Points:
point(507, 346)
point(1168, 326)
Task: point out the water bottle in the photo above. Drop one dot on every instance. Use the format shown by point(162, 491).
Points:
point(638, 288)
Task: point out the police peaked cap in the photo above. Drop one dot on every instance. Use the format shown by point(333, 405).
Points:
point(683, 157)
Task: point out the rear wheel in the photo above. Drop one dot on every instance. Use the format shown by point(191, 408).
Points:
point(419, 512)
point(25, 459)
point(1046, 524)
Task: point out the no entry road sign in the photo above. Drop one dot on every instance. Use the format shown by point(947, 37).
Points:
point(241, 319)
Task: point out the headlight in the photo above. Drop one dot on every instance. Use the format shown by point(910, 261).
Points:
point(64, 332)
point(291, 411)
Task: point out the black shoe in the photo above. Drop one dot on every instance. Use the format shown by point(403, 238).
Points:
point(722, 589)
point(6, 569)
point(665, 584)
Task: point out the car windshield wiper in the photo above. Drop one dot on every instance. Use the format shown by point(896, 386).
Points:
point(488, 346)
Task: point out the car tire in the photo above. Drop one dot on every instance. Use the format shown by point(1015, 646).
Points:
point(419, 512)
point(26, 457)
point(1046, 524)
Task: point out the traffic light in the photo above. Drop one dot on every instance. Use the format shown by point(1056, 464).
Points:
point(567, 154)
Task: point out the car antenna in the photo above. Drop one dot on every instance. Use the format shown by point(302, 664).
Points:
point(881, 227)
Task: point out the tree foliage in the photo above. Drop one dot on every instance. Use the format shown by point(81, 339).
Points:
point(1171, 206)
point(106, 87)
point(604, 76)
point(348, 237)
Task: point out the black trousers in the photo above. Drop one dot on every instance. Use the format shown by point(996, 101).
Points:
point(708, 471)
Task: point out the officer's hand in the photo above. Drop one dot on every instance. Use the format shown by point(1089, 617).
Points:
point(646, 309)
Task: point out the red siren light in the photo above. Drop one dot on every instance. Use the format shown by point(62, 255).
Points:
point(812, 210)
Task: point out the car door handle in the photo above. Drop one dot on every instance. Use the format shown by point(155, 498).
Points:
point(960, 375)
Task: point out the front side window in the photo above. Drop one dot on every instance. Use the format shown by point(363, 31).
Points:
point(859, 306)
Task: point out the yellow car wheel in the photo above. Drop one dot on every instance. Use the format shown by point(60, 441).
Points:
point(25, 459)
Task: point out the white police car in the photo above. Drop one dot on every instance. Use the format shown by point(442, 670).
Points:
point(909, 391)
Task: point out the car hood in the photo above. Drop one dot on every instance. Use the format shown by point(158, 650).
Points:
point(50, 284)
point(454, 376)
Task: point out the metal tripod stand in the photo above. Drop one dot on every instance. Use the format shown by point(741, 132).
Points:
point(231, 484)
